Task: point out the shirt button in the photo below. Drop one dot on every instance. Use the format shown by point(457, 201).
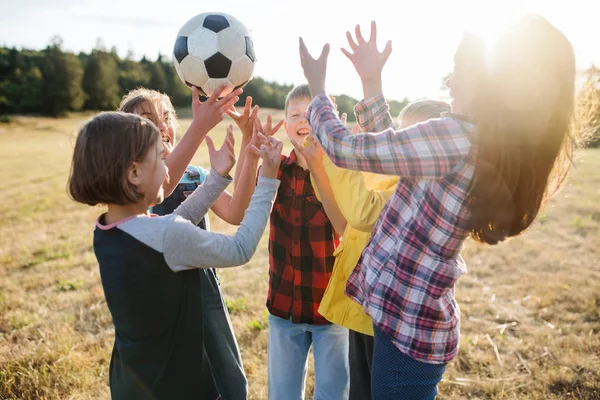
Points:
point(297, 219)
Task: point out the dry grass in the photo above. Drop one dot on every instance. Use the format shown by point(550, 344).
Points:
point(531, 307)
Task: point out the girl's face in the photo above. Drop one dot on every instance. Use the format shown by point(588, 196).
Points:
point(460, 90)
point(152, 174)
point(162, 116)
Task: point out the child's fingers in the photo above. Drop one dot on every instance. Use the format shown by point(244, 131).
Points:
point(258, 126)
point(355, 128)
point(325, 51)
point(304, 54)
point(387, 51)
point(195, 95)
point(248, 104)
point(217, 93)
point(254, 112)
point(232, 112)
point(344, 118)
point(359, 36)
point(347, 53)
point(255, 150)
point(276, 127)
point(298, 146)
point(373, 36)
point(279, 146)
point(229, 100)
point(351, 41)
point(210, 144)
point(269, 123)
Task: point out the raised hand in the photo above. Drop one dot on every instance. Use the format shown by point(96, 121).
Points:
point(315, 70)
point(270, 152)
point(365, 56)
point(245, 119)
point(209, 113)
point(267, 129)
point(222, 160)
point(310, 149)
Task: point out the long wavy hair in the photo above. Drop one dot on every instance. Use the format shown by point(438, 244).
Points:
point(523, 107)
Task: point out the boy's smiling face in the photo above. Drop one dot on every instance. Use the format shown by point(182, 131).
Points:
point(296, 124)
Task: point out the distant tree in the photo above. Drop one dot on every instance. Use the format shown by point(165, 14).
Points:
point(101, 81)
point(61, 74)
point(132, 74)
point(158, 78)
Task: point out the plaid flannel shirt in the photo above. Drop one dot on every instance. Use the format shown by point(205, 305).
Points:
point(301, 245)
point(405, 277)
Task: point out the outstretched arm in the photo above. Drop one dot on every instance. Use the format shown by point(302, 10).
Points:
point(205, 117)
point(313, 155)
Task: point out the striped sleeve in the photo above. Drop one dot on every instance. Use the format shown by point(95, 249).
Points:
point(425, 151)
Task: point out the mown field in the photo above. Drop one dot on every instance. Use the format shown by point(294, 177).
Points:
point(530, 307)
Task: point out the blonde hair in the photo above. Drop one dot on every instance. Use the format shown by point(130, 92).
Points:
point(421, 110)
point(135, 98)
point(298, 92)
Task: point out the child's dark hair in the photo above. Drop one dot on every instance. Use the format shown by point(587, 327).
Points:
point(299, 92)
point(106, 147)
point(421, 110)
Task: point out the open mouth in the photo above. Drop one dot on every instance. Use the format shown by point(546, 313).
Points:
point(303, 132)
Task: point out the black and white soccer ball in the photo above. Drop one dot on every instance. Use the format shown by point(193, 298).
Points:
point(212, 49)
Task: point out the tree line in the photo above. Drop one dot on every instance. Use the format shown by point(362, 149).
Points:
point(54, 82)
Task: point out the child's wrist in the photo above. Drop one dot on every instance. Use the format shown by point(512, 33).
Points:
point(268, 171)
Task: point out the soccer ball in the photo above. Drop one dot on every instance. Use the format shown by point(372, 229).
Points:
point(212, 49)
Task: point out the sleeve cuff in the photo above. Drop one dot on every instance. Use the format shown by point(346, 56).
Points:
point(268, 182)
point(219, 179)
point(366, 104)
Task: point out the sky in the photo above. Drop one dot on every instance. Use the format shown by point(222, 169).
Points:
point(424, 33)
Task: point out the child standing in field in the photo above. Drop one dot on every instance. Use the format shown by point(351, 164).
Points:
point(361, 196)
point(148, 264)
point(221, 345)
point(301, 245)
point(481, 172)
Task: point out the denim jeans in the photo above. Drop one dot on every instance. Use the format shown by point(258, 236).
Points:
point(288, 359)
point(219, 341)
point(394, 375)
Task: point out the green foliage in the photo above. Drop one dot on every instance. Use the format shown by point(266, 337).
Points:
point(101, 81)
point(158, 77)
point(61, 82)
point(54, 82)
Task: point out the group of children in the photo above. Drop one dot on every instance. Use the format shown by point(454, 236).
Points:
point(365, 227)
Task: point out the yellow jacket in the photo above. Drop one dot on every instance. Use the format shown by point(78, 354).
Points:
point(361, 197)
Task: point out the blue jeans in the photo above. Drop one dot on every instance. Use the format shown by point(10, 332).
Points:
point(288, 359)
point(394, 375)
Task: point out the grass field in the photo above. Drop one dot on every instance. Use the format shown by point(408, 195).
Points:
point(530, 307)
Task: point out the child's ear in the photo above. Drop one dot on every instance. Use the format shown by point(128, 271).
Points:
point(133, 174)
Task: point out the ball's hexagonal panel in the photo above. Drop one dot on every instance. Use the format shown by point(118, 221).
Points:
point(180, 50)
point(231, 43)
point(191, 25)
point(215, 22)
point(217, 66)
point(193, 71)
point(202, 43)
point(212, 84)
point(250, 49)
point(241, 71)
